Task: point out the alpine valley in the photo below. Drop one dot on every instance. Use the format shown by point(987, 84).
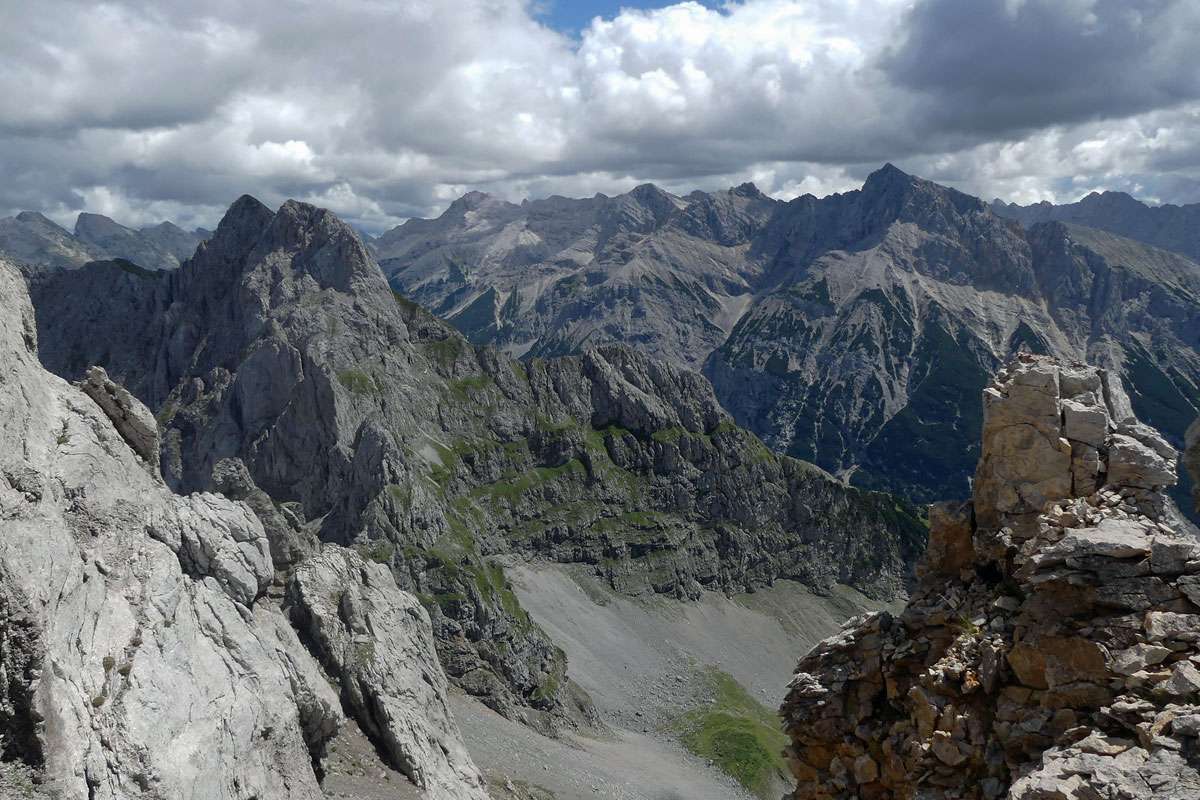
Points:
point(544, 501)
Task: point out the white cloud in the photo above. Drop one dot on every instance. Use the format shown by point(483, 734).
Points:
point(382, 110)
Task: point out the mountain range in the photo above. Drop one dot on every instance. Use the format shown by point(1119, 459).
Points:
point(272, 486)
point(1170, 227)
point(854, 330)
point(285, 373)
point(33, 238)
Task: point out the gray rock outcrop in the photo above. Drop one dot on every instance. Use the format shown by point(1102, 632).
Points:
point(1050, 649)
point(132, 420)
point(139, 655)
point(286, 373)
point(376, 641)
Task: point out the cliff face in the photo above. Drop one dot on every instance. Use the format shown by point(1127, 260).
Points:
point(1052, 647)
point(284, 372)
point(143, 649)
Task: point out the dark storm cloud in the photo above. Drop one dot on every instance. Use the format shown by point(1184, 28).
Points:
point(995, 66)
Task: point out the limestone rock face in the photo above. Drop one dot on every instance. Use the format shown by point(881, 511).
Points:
point(289, 376)
point(132, 420)
point(376, 641)
point(140, 655)
point(1050, 648)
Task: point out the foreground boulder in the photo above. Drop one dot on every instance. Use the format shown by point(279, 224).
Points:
point(1051, 650)
point(141, 654)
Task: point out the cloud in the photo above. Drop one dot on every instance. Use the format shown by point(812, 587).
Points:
point(386, 110)
point(1001, 66)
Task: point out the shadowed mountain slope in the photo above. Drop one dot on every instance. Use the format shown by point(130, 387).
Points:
point(284, 371)
point(853, 330)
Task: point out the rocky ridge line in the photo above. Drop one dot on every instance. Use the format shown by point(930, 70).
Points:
point(286, 373)
point(142, 653)
point(854, 331)
point(1051, 650)
point(32, 239)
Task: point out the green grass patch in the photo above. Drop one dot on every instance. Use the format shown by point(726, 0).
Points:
point(548, 425)
point(463, 388)
point(357, 382)
point(166, 413)
point(407, 305)
point(378, 550)
point(493, 586)
point(741, 736)
point(669, 435)
point(446, 351)
point(515, 485)
point(596, 438)
point(547, 689)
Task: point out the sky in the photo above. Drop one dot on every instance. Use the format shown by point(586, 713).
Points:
point(381, 110)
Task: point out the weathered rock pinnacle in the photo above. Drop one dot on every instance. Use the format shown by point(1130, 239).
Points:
point(1052, 647)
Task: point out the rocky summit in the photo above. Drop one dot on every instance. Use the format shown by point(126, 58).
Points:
point(854, 330)
point(1051, 648)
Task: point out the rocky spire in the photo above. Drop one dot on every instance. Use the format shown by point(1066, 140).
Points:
point(1052, 646)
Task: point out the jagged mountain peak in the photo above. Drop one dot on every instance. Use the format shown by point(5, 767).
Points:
point(89, 225)
point(241, 226)
point(889, 173)
point(640, 210)
point(648, 192)
point(891, 195)
point(310, 240)
point(471, 201)
point(246, 204)
point(165, 226)
point(889, 181)
point(1115, 200)
point(327, 248)
point(37, 218)
point(747, 189)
